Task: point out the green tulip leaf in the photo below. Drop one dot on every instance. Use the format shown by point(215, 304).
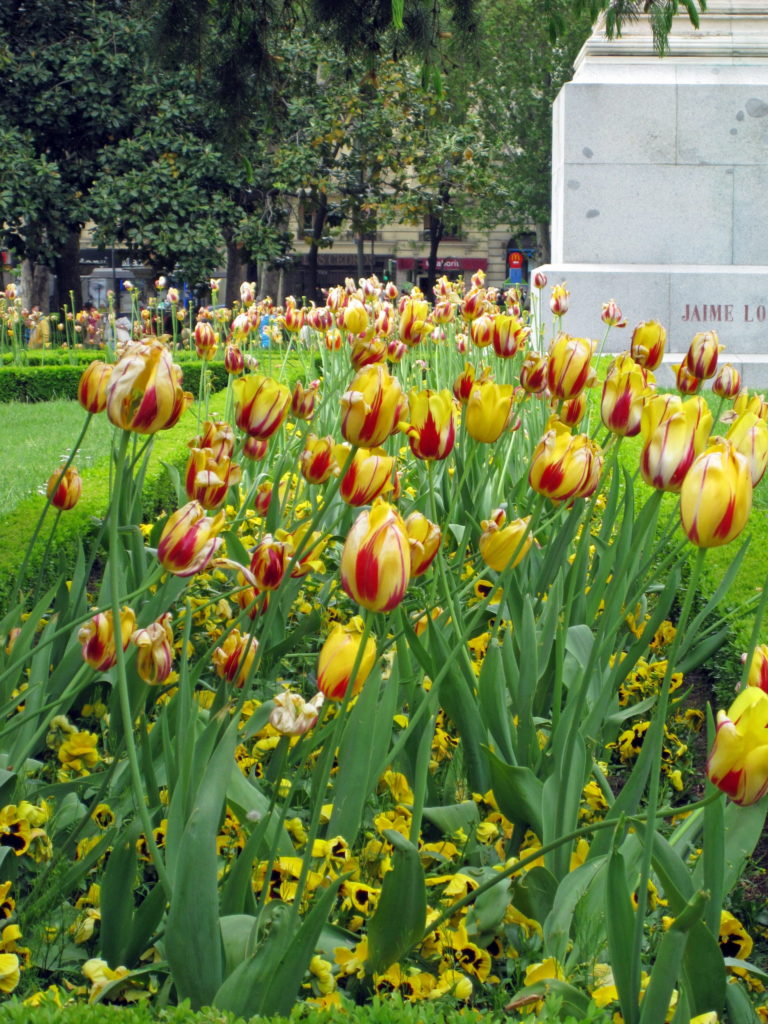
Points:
point(400, 917)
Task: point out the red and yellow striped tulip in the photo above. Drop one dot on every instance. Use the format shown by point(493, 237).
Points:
point(569, 368)
point(234, 660)
point(206, 341)
point(503, 545)
point(481, 330)
point(369, 475)
point(649, 339)
point(189, 540)
point(255, 448)
point(749, 435)
point(372, 407)
point(533, 373)
point(97, 637)
point(625, 390)
point(64, 488)
point(92, 388)
point(559, 299)
point(509, 335)
point(685, 382)
point(338, 654)
point(489, 410)
point(572, 411)
point(758, 668)
point(701, 358)
point(317, 461)
point(303, 400)
point(674, 433)
point(716, 495)
point(218, 437)
point(565, 467)
point(234, 360)
point(207, 479)
point(355, 317)
point(154, 657)
point(727, 382)
point(424, 539)
point(431, 426)
point(414, 323)
point(261, 405)
point(144, 393)
point(738, 761)
point(366, 351)
point(376, 559)
point(269, 561)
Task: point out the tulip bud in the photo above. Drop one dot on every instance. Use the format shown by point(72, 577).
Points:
point(559, 300)
point(64, 488)
point(443, 312)
point(572, 411)
point(189, 540)
point(424, 539)
point(533, 373)
point(261, 405)
point(431, 428)
point(539, 279)
point(685, 381)
point(337, 659)
point(97, 637)
point(716, 496)
point(255, 448)
point(234, 660)
point(489, 411)
point(368, 475)
point(318, 462)
point(738, 761)
point(303, 400)
point(333, 340)
point(263, 497)
point(372, 407)
point(647, 345)
point(504, 545)
point(247, 292)
point(234, 360)
point(612, 315)
point(92, 388)
point(481, 330)
point(294, 716)
point(375, 560)
point(293, 319)
point(727, 382)
point(701, 358)
point(154, 659)
point(206, 341)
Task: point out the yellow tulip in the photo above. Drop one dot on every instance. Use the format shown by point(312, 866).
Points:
point(716, 496)
point(738, 761)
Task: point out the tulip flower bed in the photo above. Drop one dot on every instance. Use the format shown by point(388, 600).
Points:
point(395, 700)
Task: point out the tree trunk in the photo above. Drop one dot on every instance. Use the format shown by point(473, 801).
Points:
point(67, 269)
point(318, 226)
point(436, 228)
point(267, 279)
point(35, 286)
point(237, 271)
point(543, 242)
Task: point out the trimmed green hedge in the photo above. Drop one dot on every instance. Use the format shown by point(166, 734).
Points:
point(44, 382)
point(382, 1011)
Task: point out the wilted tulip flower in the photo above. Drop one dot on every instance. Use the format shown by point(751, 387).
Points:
point(569, 369)
point(565, 467)
point(727, 382)
point(674, 433)
point(431, 427)
point(261, 405)
point(372, 407)
point(233, 661)
point(424, 541)
point(218, 437)
point(97, 637)
point(144, 393)
point(189, 540)
point(64, 488)
point(701, 358)
point(292, 715)
point(92, 388)
point(369, 475)
point(738, 761)
point(337, 659)
point(625, 389)
point(376, 560)
point(503, 545)
point(490, 410)
point(749, 435)
point(716, 495)
point(647, 346)
point(154, 659)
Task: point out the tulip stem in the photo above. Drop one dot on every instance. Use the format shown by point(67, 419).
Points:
point(115, 556)
point(655, 736)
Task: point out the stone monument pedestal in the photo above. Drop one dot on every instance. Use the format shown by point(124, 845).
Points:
point(660, 184)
